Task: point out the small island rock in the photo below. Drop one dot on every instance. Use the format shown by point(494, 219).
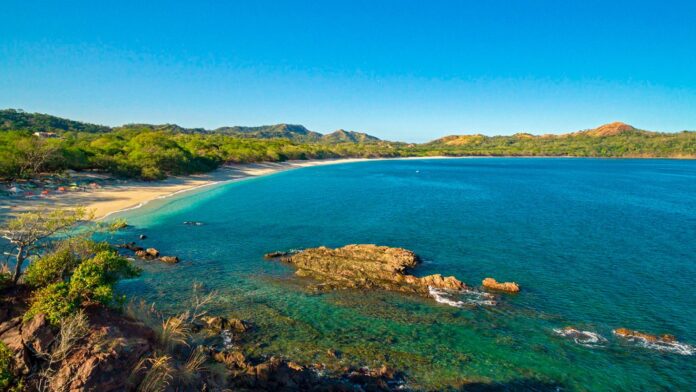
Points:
point(510, 287)
point(367, 266)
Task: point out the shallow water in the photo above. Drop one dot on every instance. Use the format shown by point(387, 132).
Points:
point(595, 244)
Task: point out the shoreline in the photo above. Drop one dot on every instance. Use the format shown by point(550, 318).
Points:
point(133, 194)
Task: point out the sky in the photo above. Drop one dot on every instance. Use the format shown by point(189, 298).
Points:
point(401, 70)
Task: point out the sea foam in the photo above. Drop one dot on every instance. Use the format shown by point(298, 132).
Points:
point(670, 347)
point(583, 338)
point(469, 297)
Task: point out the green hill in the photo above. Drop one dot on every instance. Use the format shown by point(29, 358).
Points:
point(341, 136)
point(19, 120)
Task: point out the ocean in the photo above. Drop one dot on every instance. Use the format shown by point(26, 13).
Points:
point(595, 244)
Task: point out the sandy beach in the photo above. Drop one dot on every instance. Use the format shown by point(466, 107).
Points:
point(132, 194)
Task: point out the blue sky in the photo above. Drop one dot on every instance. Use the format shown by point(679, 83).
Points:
point(406, 70)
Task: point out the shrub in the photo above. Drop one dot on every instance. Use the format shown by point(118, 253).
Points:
point(57, 265)
point(94, 278)
point(5, 363)
point(54, 301)
point(51, 268)
point(5, 276)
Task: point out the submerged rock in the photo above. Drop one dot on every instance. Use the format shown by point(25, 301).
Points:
point(632, 334)
point(510, 287)
point(276, 255)
point(219, 324)
point(130, 246)
point(169, 259)
point(193, 223)
point(367, 267)
point(583, 338)
point(664, 343)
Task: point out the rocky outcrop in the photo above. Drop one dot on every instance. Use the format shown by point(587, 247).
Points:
point(366, 267)
point(37, 335)
point(492, 284)
point(94, 365)
point(279, 374)
point(632, 334)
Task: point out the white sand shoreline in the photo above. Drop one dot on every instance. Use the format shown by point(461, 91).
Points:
point(131, 195)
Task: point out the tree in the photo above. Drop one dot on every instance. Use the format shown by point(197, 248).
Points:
point(27, 230)
point(33, 155)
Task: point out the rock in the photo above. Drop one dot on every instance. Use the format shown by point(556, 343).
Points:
point(193, 223)
point(366, 267)
point(218, 324)
point(275, 255)
point(37, 335)
point(11, 336)
point(142, 236)
point(152, 252)
point(142, 254)
point(231, 360)
point(510, 287)
point(632, 334)
point(169, 259)
point(95, 366)
point(130, 246)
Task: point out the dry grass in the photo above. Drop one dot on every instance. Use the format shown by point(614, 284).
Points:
point(144, 312)
point(158, 375)
point(189, 372)
point(72, 329)
point(174, 332)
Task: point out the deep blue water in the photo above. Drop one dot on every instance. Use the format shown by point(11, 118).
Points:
point(595, 244)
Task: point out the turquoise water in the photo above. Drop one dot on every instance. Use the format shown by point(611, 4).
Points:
point(595, 244)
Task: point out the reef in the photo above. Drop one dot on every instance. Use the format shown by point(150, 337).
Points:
point(365, 266)
point(492, 284)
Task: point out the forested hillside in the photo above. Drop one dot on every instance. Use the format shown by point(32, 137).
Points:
point(156, 151)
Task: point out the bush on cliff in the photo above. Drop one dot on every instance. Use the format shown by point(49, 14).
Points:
point(91, 281)
point(53, 301)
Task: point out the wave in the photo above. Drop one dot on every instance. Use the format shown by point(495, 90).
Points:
point(583, 338)
point(469, 297)
point(674, 347)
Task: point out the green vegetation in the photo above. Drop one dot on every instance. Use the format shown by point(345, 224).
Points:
point(154, 152)
point(66, 271)
point(89, 280)
point(639, 144)
point(27, 231)
point(5, 362)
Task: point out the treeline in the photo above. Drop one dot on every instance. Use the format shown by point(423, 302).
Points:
point(152, 155)
point(154, 152)
point(626, 144)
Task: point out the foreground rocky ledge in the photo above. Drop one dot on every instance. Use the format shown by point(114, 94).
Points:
point(365, 266)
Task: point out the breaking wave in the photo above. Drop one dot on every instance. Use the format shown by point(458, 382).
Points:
point(461, 299)
point(664, 346)
point(583, 338)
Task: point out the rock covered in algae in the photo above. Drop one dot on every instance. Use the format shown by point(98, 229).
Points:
point(510, 287)
point(366, 266)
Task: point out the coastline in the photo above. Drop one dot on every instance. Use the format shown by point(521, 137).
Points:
point(133, 194)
